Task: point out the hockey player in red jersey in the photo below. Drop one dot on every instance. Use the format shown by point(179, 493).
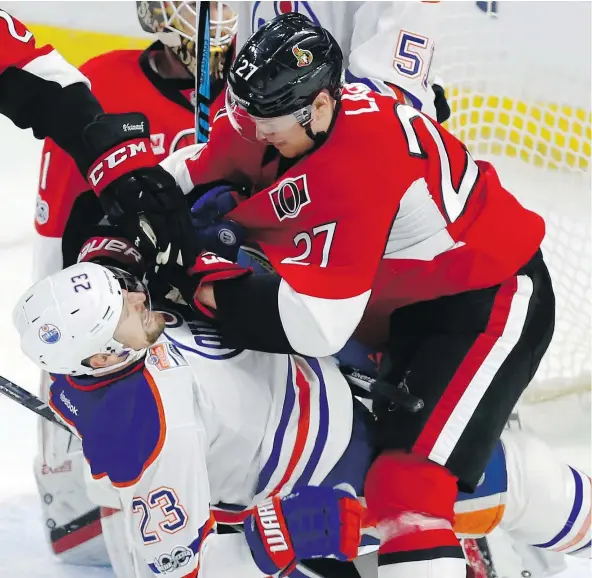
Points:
point(380, 225)
point(159, 83)
point(40, 90)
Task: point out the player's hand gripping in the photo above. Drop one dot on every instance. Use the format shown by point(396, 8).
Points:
point(310, 522)
point(137, 194)
point(212, 232)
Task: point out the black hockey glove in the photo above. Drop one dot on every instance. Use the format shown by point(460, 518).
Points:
point(136, 194)
point(441, 104)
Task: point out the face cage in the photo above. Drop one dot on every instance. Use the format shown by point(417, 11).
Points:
point(181, 18)
point(254, 128)
point(129, 283)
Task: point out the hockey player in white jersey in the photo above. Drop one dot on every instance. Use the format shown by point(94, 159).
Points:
point(180, 430)
point(389, 46)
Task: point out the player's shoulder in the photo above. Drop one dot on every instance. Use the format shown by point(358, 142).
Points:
point(108, 63)
point(123, 65)
point(121, 419)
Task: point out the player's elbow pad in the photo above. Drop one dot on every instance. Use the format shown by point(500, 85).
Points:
point(319, 327)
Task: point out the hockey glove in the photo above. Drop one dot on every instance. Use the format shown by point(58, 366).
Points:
point(311, 522)
point(137, 194)
point(208, 268)
point(114, 251)
point(212, 232)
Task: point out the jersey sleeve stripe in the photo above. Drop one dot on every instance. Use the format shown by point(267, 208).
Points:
point(323, 427)
point(303, 428)
point(53, 68)
point(31, 57)
point(273, 460)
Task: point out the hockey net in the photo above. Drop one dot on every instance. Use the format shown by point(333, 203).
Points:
point(530, 116)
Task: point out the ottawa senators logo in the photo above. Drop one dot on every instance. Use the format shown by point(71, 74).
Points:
point(289, 197)
point(304, 57)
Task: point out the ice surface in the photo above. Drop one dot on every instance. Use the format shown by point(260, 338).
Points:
point(23, 551)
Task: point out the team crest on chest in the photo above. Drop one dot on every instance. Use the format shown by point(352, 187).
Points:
point(289, 197)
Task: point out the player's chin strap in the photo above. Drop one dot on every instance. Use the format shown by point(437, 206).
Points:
point(128, 357)
point(126, 354)
point(320, 137)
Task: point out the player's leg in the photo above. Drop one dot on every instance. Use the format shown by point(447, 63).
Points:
point(548, 502)
point(72, 523)
point(542, 503)
point(469, 357)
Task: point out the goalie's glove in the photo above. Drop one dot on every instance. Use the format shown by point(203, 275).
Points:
point(135, 192)
point(310, 522)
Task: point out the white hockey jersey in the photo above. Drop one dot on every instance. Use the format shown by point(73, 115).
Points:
point(198, 432)
point(388, 45)
point(188, 439)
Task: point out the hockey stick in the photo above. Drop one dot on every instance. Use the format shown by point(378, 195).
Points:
point(202, 76)
point(30, 401)
point(362, 386)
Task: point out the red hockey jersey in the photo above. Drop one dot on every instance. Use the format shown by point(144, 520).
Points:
point(122, 81)
point(389, 211)
point(41, 91)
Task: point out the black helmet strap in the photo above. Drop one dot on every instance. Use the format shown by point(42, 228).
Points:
point(320, 137)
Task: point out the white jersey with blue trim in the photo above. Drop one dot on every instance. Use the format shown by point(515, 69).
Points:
point(223, 429)
point(389, 45)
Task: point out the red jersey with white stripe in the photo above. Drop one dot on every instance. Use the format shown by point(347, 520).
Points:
point(17, 44)
point(199, 432)
point(41, 69)
point(171, 126)
point(41, 91)
point(389, 211)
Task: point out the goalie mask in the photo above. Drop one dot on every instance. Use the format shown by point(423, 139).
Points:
point(174, 23)
point(74, 314)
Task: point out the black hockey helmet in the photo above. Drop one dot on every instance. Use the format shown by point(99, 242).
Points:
point(283, 66)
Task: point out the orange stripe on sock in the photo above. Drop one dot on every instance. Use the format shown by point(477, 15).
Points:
point(479, 522)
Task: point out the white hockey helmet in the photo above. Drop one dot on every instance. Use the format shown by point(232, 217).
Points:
point(72, 315)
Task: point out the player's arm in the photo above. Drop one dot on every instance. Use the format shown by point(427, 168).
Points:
point(168, 505)
point(326, 263)
point(40, 90)
point(392, 51)
point(226, 156)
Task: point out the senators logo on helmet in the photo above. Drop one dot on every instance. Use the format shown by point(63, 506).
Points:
point(304, 57)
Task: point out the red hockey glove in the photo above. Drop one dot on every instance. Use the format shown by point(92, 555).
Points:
point(210, 268)
point(138, 195)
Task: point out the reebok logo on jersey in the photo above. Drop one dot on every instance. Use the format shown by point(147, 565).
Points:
point(289, 197)
point(73, 409)
point(272, 530)
point(127, 127)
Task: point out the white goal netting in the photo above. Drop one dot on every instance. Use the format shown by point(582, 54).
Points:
point(518, 79)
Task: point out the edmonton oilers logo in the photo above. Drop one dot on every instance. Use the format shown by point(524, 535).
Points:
point(49, 334)
point(261, 12)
